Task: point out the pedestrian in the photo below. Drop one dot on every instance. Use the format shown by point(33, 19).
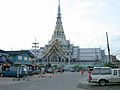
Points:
point(81, 72)
point(40, 73)
point(89, 77)
point(89, 72)
point(43, 72)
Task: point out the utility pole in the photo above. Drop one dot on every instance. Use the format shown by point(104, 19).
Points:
point(108, 47)
point(96, 56)
point(35, 46)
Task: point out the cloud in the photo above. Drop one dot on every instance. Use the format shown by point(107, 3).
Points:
point(88, 7)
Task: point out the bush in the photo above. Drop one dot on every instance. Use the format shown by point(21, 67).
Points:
point(78, 67)
point(110, 65)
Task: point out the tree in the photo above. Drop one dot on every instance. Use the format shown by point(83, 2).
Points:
point(55, 66)
point(77, 67)
point(48, 65)
point(110, 65)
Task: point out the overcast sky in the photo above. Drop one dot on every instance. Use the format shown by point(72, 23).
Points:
point(85, 23)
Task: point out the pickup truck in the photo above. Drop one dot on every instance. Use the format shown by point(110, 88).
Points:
point(103, 75)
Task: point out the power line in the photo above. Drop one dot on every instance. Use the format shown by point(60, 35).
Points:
point(116, 52)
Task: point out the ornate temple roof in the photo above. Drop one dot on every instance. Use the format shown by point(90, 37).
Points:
point(58, 39)
point(58, 31)
point(55, 48)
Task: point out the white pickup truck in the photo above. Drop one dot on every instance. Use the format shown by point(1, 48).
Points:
point(103, 75)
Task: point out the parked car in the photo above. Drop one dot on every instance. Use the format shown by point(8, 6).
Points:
point(103, 75)
point(67, 69)
point(49, 70)
point(58, 70)
point(72, 70)
point(10, 73)
point(35, 72)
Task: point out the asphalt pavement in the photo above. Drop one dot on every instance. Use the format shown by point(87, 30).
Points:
point(64, 81)
point(12, 80)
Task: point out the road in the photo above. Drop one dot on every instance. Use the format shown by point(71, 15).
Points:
point(66, 81)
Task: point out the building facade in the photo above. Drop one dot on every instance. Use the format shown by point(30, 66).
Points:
point(20, 59)
point(60, 51)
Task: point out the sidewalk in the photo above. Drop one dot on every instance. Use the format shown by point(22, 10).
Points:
point(11, 80)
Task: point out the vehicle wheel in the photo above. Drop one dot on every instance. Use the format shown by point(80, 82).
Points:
point(1, 75)
point(102, 82)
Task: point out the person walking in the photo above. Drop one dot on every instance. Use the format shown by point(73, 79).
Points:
point(43, 72)
point(81, 72)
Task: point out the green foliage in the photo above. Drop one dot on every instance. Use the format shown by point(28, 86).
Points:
point(55, 66)
point(48, 65)
point(107, 65)
point(40, 65)
point(77, 67)
point(110, 65)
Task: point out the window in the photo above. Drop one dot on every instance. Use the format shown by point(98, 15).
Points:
point(115, 72)
point(25, 58)
point(19, 57)
point(57, 33)
point(30, 59)
point(48, 60)
point(68, 54)
point(59, 59)
point(119, 72)
point(96, 71)
point(105, 71)
point(54, 59)
point(67, 60)
point(45, 60)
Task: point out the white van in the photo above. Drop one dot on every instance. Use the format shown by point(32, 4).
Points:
point(103, 75)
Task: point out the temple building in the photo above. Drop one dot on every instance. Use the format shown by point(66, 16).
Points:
point(60, 51)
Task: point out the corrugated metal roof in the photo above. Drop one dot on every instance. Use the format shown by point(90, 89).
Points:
point(20, 52)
